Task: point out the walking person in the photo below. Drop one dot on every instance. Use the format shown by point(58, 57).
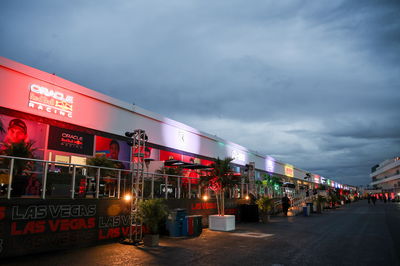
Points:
point(285, 204)
point(369, 199)
point(373, 199)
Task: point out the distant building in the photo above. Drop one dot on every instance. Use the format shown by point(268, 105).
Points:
point(386, 175)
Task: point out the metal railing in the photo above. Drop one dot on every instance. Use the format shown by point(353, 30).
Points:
point(34, 178)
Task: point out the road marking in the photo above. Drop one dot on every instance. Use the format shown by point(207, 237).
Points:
point(251, 234)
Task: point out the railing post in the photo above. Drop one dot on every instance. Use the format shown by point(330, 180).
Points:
point(119, 184)
point(242, 189)
point(179, 187)
point(190, 187)
point(46, 166)
point(199, 192)
point(152, 186)
point(73, 182)
point(166, 187)
point(98, 183)
point(10, 178)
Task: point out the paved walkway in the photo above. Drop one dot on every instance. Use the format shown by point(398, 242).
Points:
point(355, 234)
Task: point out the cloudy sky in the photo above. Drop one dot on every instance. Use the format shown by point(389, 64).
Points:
point(312, 83)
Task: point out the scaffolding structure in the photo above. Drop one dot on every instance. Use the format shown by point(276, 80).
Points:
point(139, 139)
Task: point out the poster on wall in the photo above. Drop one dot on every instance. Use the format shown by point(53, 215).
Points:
point(21, 130)
point(113, 149)
point(61, 139)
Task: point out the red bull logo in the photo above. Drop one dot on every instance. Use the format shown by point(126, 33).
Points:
point(51, 101)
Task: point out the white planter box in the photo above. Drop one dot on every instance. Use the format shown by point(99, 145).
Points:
point(221, 223)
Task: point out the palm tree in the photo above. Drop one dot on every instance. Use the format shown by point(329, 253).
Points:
point(220, 178)
point(20, 149)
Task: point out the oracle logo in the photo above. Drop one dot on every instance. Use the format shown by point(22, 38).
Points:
point(52, 93)
point(50, 101)
point(70, 136)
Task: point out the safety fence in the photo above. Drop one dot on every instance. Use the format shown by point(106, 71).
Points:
point(33, 178)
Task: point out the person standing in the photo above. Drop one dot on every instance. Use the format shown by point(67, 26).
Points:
point(373, 198)
point(285, 204)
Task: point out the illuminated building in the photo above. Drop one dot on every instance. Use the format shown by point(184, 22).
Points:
point(69, 123)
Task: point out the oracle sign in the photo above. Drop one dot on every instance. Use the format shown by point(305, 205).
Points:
point(50, 101)
point(70, 141)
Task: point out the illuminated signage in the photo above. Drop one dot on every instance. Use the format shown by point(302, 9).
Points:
point(289, 170)
point(50, 101)
point(70, 141)
point(316, 179)
point(270, 165)
point(236, 155)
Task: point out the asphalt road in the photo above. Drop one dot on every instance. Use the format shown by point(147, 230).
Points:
point(355, 234)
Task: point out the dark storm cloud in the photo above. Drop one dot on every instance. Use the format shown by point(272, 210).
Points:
point(315, 84)
point(375, 23)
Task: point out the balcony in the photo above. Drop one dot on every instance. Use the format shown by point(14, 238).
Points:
point(388, 178)
point(387, 165)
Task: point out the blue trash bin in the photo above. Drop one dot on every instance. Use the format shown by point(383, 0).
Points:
point(306, 210)
point(173, 228)
point(310, 204)
point(175, 223)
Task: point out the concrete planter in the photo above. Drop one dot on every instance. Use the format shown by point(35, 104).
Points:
point(221, 223)
point(265, 217)
point(151, 240)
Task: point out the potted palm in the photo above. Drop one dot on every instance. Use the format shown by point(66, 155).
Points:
point(152, 212)
point(20, 149)
point(219, 180)
point(265, 204)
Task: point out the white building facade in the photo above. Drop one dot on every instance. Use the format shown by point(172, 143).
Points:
point(386, 175)
point(57, 110)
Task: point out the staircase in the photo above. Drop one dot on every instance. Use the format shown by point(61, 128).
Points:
point(297, 204)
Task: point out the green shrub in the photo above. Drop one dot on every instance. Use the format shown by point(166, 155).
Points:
point(153, 212)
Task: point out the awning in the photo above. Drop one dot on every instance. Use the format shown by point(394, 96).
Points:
point(185, 164)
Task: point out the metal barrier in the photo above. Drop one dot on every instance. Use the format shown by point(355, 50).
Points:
point(34, 178)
